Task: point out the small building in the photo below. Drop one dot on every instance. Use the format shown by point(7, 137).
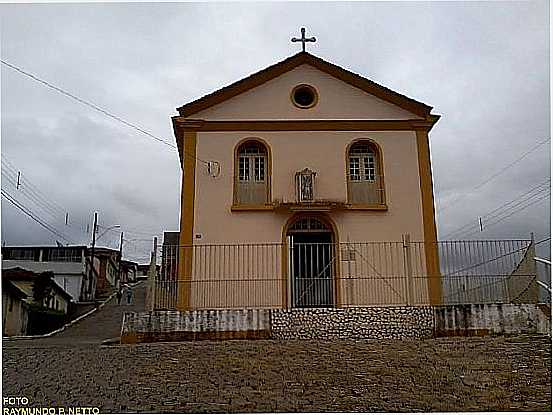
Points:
point(71, 265)
point(33, 303)
point(14, 310)
point(55, 297)
point(143, 270)
point(169, 255)
point(129, 271)
point(108, 275)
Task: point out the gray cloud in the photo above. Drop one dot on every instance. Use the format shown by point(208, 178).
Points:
point(483, 65)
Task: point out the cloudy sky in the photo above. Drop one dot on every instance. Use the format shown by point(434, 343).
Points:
point(484, 66)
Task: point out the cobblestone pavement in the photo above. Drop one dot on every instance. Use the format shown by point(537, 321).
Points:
point(448, 374)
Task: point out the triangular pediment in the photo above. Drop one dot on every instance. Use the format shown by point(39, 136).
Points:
point(341, 94)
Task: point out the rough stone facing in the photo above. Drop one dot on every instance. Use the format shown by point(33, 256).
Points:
point(353, 323)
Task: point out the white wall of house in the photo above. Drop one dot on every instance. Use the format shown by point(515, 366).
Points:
point(71, 283)
point(68, 275)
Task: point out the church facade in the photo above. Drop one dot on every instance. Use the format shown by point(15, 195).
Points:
point(307, 164)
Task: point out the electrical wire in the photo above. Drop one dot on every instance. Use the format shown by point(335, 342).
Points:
point(496, 174)
point(501, 219)
point(27, 185)
point(99, 109)
point(535, 191)
point(32, 215)
point(43, 208)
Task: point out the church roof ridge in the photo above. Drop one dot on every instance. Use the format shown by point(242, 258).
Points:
point(264, 75)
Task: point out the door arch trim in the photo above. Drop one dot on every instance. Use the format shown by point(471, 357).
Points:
point(284, 255)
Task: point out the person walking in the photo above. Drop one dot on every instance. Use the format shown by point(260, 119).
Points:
point(129, 295)
point(119, 295)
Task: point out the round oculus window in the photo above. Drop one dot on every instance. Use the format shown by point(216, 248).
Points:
point(304, 96)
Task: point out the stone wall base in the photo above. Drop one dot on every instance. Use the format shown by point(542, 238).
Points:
point(395, 322)
point(484, 319)
point(353, 323)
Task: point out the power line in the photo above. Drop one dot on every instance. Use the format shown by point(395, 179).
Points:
point(495, 212)
point(525, 206)
point(97, 108)
point(26, 184)
point(507, 213)
point(532, 190)
point(31, 195)
point(528, 203)
point(496, 174)
point(54, 215)
point(510, 214)
point(132, 231)
point(35, 197)
point(33, 216)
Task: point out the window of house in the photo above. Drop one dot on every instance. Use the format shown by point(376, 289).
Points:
point(252, 184)
point(21, 254)
point(365, 183)
point(62, 255)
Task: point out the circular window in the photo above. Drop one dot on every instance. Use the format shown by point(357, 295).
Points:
point(304, 96)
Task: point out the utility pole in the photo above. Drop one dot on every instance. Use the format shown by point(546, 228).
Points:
point(92, 251)
point(152, 277)
point(118, 284)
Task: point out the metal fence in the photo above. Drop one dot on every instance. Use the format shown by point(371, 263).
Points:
point(348, 274)
point(543, 268)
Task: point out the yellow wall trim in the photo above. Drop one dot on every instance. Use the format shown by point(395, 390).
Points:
point(188, 192)
point(429, 221)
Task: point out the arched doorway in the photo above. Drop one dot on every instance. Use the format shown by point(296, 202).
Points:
point(311, 261)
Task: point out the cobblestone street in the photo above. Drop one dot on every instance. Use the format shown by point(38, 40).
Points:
point(72, 368)
point(452, 374)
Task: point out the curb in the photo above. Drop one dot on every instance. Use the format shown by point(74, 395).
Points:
point(109, 342)
point(67, 325)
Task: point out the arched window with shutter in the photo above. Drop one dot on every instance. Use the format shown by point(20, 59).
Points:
point(365, 176)
point(252, 173)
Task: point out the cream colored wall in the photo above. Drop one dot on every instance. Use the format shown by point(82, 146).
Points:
point(271, 101)
point(257, 271)
point(323, 152)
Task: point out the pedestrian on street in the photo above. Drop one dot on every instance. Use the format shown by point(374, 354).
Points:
point(119, 295)
point(129, 295)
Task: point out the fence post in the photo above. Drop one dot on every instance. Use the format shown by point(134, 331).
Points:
point(152, 277)
point(408, 267)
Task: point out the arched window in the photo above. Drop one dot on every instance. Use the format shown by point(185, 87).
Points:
point(365, 179)
point(251, 183)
